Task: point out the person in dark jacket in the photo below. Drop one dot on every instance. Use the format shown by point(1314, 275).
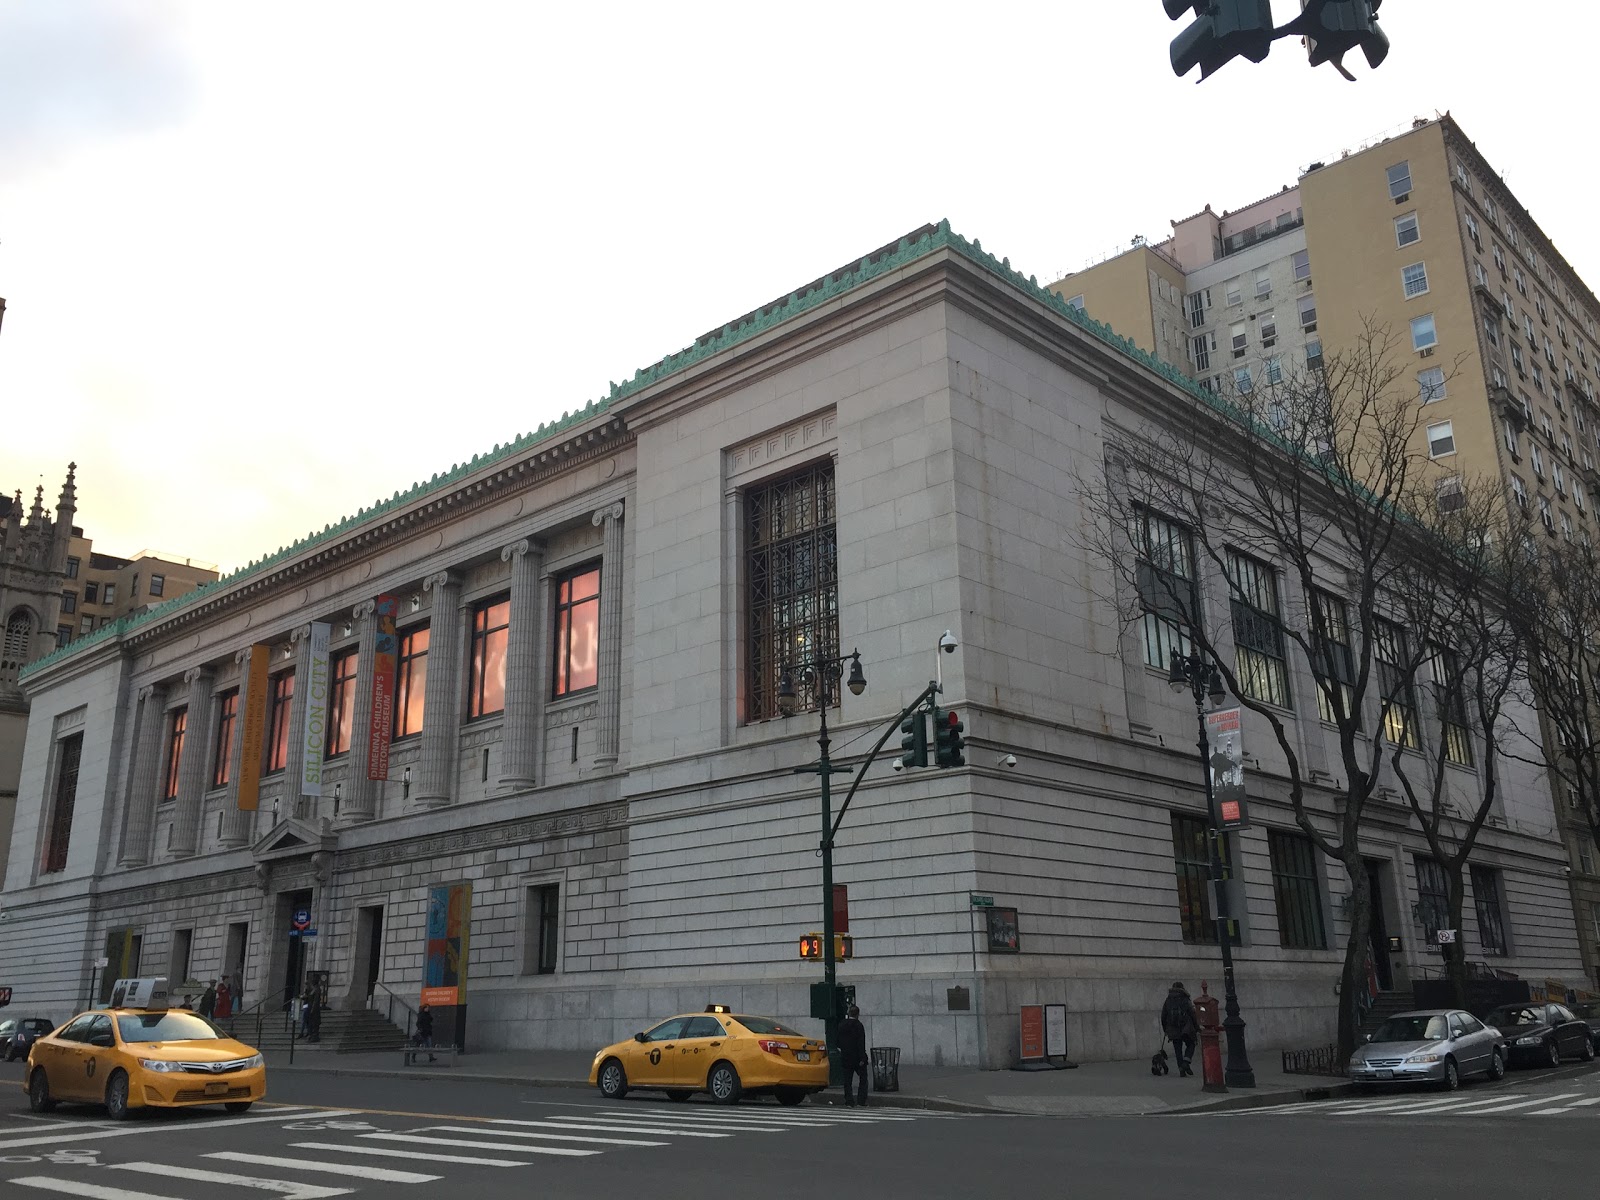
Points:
point(425, 1031)
point(853, 1056)
point(313, 1013)
point(208, 999)
point(1179, 1026)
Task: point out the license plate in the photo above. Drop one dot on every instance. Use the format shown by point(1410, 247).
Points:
point(1385, 1074)
point(216, 1089)
point(803, 1055)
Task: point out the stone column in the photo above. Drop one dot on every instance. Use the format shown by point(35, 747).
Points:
point(441, 719)
point(360, 793)
point(192, 766)
point(519, 754)
point(137, 820)
point(609, 714)
point(295, 805)
point(237, 826)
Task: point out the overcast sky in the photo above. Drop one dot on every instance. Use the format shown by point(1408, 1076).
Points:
point(266, 263)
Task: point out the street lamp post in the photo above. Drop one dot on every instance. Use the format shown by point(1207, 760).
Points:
point(823, 674)
point(1204, 681)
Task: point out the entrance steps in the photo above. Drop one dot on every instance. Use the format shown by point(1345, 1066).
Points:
point(343, 1032)
point(1386, 1005)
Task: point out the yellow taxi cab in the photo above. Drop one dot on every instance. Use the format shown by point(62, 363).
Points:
point(719, 1052)
point(142, 1054)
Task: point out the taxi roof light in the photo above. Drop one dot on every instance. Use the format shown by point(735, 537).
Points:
point(718, 1008)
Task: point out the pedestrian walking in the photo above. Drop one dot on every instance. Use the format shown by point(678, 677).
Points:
point(425, 1031)
point(853, 1057)
point(314, 1013)
point(224, 1008)
point(208, 999)
point(1180, 1025)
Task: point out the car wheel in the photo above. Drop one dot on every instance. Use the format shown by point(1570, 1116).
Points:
point(679, 1094)
point(789, 1097)
point(724, 1085)
point(1588, 1051)
point(238, 1106)
point(39, 1093)
point(1497, 1066)
point(613, 1080)
point(117, 1096)
point(1554, 1050)
point(1452, 1075)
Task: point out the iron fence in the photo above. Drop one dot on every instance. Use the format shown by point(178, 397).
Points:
point(1319, 1060)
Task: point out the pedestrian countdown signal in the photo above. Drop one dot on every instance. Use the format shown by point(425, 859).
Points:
point(811, 944)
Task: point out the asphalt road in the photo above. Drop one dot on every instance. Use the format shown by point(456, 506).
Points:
point(322, 1136)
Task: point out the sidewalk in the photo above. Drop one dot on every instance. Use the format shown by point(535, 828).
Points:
point(1094, 1089)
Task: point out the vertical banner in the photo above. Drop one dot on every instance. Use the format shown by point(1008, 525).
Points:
point(1225, 739)
point(384, 664)
point(314, 728)
point(444, 964)
point(253, 729)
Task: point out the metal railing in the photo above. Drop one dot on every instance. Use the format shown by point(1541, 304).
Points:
point(391, 1001)
point(1319, 1060)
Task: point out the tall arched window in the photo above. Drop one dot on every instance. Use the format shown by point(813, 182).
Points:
point(19, 639)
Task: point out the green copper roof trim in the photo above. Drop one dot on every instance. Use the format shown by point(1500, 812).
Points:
point(906, 251)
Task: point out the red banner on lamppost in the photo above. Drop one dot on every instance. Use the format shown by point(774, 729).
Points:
point(1225, 737)
point(384, 664)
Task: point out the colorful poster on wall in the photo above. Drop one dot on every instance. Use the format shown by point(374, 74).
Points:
point(1004, 937)
point(253, 728)
point(1032, 1022)
point(444, 970)
point(314, 729)
point(385, 650)
point(1225, 738)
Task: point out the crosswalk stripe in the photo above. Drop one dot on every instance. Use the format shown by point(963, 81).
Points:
point(286, 1188)
point(700, 1133)
point(71, 1187)
point(663, 1126)
point(800, 1118)
point(1529, 1103)
point(412, 1139)
point(1545, 1112)
point(706, 1112)
point(1453, 1106)
point(96, 1132)
point(480, 1131)
point(411, 1155)
point(382, 1174)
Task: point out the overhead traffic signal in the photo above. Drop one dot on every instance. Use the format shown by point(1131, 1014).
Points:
point(914, 740)
point(948, 742)
point(1335, 27)
point(1222, 31)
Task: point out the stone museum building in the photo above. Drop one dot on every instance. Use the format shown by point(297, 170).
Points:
point(565, 654)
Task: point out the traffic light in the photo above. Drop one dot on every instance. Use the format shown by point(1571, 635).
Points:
point(844, 946)
point(947, 729)
point(914, 740)
point(1222, 30)
point(1334, 27)
point(811, 946)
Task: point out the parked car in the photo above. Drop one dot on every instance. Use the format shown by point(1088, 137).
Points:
point(1441, 1045)
point(1589, 1013)
point(1540, 1033)
point(18, 1033)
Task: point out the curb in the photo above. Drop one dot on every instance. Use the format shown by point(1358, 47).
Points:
point(1264, 1099)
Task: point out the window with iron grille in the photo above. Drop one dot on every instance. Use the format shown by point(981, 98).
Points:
point(1297, 891)
point(69, 750)
point(177, 726)
point(1491, 910)
point(1452, 708)
point(1394, 678)
point(1335, 665)
point(1168, 592)
point(1258, 656)
point(227, 722)
point(1191, 858)
point(543, 922)
point(791, 582)
point(1433, 898)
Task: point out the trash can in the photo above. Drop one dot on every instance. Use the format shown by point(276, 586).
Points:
point(886, 1068)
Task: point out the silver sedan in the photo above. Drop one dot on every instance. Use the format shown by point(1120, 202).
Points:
point(1440, 1045)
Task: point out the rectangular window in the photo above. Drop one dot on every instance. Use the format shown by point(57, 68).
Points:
point(544, 930)
point(1314, 354)
point(1191, 860)
point(69, 603)
point(177, 726)
point(178, 964)
point(109, 596)
point(577, 631)
point(1198, 303)
point(1076, 302)
point(1335, 665)
point(1430, 384)
point(69, 751)
point(1491, 329)
point(1241, 379)
point(227, 722)
point(72, 567)
point(1479, 275)
point(1239, 339)
point(1399, 181)
point(1302, 265)
point(1273, 372)
point(158, 585)
point(281, 697)
point(342, 702)
point(1452, 707)
point(91, 592)
point(1433, 898)
point(1423, 334)
point(1414, 279)
point(1538, 461)
point(792, 581)
point(1308, 313)
point(1473, 232)
point(1406, 231)
point(1297, 891)
point(1441, 439)
point(1449, 494)
point(411, 681)
point(1167, 589)
point(1200, 350)
point(1257, 630)
point(1268, 328)
point(1394, 682)
point(1233, 294)
point(491, 630)
point(1263, 283)
point(1517, 364)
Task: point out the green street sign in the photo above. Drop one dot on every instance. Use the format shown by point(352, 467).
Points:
point(981, 901)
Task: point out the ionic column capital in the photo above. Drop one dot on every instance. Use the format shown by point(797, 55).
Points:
point(153, 691)
point(440, 580)
point(195, 674)
point(364, 610)
point(518, 549)
point(611, 512)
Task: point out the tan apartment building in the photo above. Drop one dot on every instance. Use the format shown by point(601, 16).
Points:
point(100, 588)
point(1415, 232)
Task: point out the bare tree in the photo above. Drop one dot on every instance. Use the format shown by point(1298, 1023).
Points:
point(1315, 474)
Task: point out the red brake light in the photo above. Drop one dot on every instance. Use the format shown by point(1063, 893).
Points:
point(771, 1046)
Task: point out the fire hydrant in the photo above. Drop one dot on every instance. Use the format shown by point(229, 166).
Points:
point(1205, 1011)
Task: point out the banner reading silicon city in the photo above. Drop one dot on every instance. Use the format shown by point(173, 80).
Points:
point(314, 731)
point(1225, 761)
point(385, 649)
point(253, 731)
point(444, 964)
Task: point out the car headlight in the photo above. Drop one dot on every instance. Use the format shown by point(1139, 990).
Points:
point(255, 1060)
point(160, 1066)
point(1422, 1058)
point(1533, 1039)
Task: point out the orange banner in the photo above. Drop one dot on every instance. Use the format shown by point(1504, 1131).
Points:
point(253, 730)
